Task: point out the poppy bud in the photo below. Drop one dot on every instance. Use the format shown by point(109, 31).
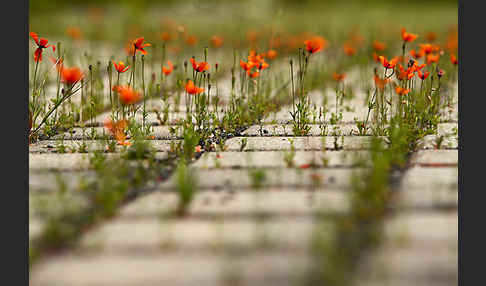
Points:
point(216, 66)
point(411, 62)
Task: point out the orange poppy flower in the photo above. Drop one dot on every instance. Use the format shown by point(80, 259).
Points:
point(417, 55)
point(257, 60)
point(139, 45)
point(168, 70)
point(416, 67)
point(305, 166)
point(192, 89)
point(165, 36)
point(405, 74)
point(339, 76)
point(72, 75)
point(388, 64)
point(431, 58)
point(246, 66)
point(74, 32)
point(272, 54)
point(408, 37)
point(380, 83)
point(315, 44)
point(199, 67)
point(376, 57)
point(431, 36)
point(424, 75)
point(454, 60)
point(401, 91)
point(252, 36)
point(429, 48)
point(127, 95)
point(117, 129)
point(217, 41)
point(252, 74)
point(348, 49)
point(451, 44)
point(41, 44)
point(191, 40)
point(120, 67)
point(379, 46)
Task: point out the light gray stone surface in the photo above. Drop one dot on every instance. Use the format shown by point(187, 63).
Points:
point(300, 143)
point(435, 157)
point(217, 179)
point(273, 159)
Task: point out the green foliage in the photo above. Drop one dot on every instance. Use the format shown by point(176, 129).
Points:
point(186, 186)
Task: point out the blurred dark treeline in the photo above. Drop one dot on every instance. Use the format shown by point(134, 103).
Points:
point(46, 6)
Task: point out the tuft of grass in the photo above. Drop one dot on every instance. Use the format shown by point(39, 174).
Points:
point(186, 187)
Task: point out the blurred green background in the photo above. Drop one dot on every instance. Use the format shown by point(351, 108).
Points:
point(117, 21)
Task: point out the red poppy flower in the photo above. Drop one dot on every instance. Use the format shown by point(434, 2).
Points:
point(305, 166)
point(339, 76)
point(199, 67)
point(428, 48)
point(117, 129)
point(408, 37)
point(452, 41)
point(454, 60)
point(120, 67)
point(252, 74)
point(72, 75)
point(272, 54)
point(348, 49)
point(127, 95)
point(431, 58)
point(376, 57)
point(191, 40)
point(192, 89)
point(417, 55)
point(166, 36)
point(416, 67)
point(246, 66)
point(401, 91)
point(168, 70)
point(379, 46)
point(424, 75)
point(405, 74)
point(41, 44)
point(388, 64)
point(217, 41)
point(139, 45)
point(257, 60)
point(380, 83)
point(74, 33)
point(315, 44)
point(431, 36)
